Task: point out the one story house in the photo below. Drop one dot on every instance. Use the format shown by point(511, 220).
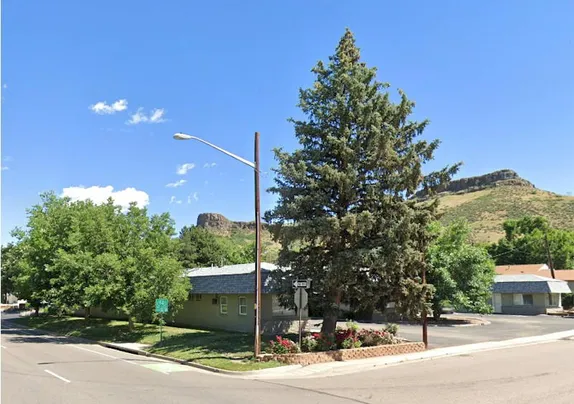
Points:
point(223, 298)
point(566, 275)
point(527, 294)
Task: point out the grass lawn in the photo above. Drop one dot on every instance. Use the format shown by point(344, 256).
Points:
point(220, 349)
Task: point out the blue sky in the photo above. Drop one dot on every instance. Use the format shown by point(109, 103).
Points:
point(495, 79)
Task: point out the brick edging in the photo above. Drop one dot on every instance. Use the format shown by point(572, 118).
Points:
point(311, 358)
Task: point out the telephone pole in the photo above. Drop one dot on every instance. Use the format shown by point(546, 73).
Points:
point(549, 255)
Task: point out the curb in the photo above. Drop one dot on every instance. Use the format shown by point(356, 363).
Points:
point(140, 352)
point(360, 365)
point(193, 364)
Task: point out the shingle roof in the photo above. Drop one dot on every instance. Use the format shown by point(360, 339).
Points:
point(537, 269)
point(520, 269)
point(230, 279)
point(528, 284)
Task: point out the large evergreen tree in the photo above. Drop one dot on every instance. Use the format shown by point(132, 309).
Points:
point(346, 196)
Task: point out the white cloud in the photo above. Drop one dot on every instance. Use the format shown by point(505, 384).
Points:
point(156, 116)
point(174, 200)
point(209, 165)
point(100, 195)
point(184, 168)
point(194, 196)
point(176, 184)
point(5, 85)
point(242, 180)
point(102, 108)
point(4, 168)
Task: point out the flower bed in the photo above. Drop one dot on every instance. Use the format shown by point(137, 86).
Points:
point(346, 344)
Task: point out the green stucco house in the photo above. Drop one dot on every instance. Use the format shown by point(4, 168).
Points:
point(223, 298)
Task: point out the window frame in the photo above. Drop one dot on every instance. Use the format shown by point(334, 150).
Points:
point(239, 305)
point(222, 305)
point(531, 299)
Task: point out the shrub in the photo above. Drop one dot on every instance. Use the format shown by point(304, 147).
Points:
point(309, 344)
point(282, 346)
point(376, 337)
point(392, 329)
point(325, 342)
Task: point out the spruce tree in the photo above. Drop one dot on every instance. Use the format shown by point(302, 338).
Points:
point(346, 216)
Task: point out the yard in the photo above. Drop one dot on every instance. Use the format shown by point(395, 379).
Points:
point(219, 349)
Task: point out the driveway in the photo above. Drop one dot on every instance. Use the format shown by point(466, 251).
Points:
point(501, 327)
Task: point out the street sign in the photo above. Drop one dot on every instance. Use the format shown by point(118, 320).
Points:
point(161, 305)
point(301, 299)
point(302, 283)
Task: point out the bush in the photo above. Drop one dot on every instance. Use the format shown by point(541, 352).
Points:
point(309, 344)
point(392, 329)
point(376, 337)
point(325, 342)
point(281, 346)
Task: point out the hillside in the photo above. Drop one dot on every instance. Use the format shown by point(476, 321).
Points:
point(240, 233)
point(487, 201)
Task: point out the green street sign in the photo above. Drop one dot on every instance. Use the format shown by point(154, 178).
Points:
point(161, 305)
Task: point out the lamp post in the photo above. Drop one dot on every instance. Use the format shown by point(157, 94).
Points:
point(255, 167)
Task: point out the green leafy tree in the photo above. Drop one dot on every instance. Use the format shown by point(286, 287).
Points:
point(11, 255)
point(346, 197)
point(81, 255)
point(200, 248)
point(48, 230)
point(149, 265)
point(461, 273)
point(524, 243)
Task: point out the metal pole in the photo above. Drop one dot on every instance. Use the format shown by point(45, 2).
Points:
point(257, 343)
point(424, 312)
point(300, 312)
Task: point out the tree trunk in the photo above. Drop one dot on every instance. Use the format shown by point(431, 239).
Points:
point(87, 313)
point(331, 314)
point(130, 323)
point(37, 311)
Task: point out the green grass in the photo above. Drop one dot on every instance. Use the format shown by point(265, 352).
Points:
point(220, 349)
point(486, 210)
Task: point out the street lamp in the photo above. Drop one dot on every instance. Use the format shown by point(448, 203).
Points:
point(255, 167)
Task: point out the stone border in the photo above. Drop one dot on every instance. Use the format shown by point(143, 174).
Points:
point(311, 358)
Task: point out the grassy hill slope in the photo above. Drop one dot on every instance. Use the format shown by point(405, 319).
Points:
point(487, 209)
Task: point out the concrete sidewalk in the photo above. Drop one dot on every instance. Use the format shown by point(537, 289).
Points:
point(360, 365)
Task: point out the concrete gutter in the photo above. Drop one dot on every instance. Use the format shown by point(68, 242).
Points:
point(342, 367)
point(120, 347)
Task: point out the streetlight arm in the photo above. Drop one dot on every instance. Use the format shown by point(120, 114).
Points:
point(183, 136)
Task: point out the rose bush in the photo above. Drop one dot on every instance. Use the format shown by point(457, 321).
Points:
point(282, 346)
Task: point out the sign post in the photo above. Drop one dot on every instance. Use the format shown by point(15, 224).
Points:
point(301, 300)
point(161, 307)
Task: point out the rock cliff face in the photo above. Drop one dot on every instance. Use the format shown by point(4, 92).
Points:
point(221, 224)
point(496, 178)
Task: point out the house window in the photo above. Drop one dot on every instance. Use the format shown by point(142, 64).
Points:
point(242, 306)
point(223, 304)
point(507, 299)
point(527, 300)
point(551, 300)
point(197, 298)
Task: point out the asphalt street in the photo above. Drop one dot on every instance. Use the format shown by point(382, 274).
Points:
point(39, 368)
point(501, 327)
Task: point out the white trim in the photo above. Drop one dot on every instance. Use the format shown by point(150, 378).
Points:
point(222, 305)
point(242, 305)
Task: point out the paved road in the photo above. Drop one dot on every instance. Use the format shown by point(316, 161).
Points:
point(502, 327)
point(38, 368)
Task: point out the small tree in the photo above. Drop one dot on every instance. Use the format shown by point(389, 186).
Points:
point(524, 243)
point(346, 197)
point(460, 272)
